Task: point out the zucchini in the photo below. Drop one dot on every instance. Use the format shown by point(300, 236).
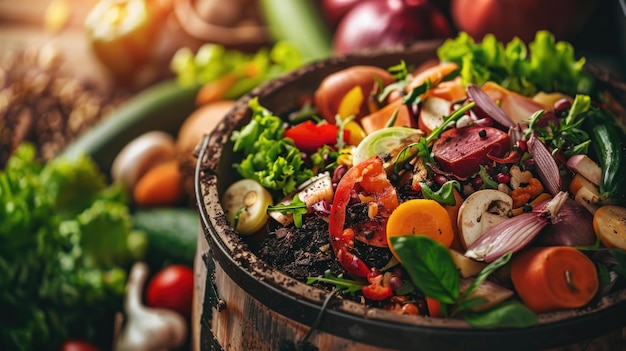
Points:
point(609, 144)
point(171, 232)
point(163, 106)
point(300, 23)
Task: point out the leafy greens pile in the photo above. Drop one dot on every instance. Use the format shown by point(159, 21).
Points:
point(65, 240)
point(544, 65)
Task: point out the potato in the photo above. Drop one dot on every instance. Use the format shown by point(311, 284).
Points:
point(200, 122)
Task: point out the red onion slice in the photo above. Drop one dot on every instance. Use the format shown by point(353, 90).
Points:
point(486, 108)
point(515, 233)
point(546, 165)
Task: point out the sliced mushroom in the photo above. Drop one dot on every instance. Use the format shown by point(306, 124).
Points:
point(481, 211)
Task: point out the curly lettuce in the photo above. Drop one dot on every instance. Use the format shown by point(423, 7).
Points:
point(544, 65)
point(269, 158)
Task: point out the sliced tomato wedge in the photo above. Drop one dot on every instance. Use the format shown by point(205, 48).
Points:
point(372, 179)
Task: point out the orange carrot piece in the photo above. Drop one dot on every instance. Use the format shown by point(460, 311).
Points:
point(161, 186)
point(553, 278)
point(452, 90)
point(434, 307)
point(434, 74)
point(215, 90)
point(420, 216)
point(380, 118)
point(453, 213)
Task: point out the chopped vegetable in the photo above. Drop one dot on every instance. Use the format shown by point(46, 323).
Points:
point(309, 137)
point(609, 224)
point(270, 159)
point(553, 278)
point(462, 150)
point(420, 217)
point(245, 204)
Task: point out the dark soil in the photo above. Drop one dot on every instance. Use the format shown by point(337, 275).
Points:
point(306, 252)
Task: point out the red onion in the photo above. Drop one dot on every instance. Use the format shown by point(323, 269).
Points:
point(486, 108)
point(515, 233)
point(573, 227)
point(377, 23)
point(545, 164)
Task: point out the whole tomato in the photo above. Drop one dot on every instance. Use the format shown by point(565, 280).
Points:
point(77, 345)
point(172, 288)
point(522, 18)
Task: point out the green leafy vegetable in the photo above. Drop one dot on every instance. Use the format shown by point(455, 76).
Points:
point(296, 207)
point(430, 266)
point(343, 284)
point(65, 241)
point(272, 160)
point(213, 61)
point(445, 194)
point(433, 271)
point(566, 136)
point(543, 65)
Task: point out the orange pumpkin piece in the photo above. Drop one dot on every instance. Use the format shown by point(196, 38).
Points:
point(554, 278)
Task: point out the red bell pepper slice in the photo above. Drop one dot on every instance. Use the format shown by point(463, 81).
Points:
point(372, 178)
point(376, 291)
point(309, 137)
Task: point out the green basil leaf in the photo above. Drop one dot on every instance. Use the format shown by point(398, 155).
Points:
point(511, 314)
point(429, 265)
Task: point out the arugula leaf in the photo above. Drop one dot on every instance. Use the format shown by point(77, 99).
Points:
point(344, 285)
point(296, 207)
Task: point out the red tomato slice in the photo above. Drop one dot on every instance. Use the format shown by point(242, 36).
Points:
point(371, 177)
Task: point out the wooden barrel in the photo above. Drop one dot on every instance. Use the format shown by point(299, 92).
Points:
point(245, 304)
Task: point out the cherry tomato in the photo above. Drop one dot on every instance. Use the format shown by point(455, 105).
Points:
point(172, 288)
point(78, 345)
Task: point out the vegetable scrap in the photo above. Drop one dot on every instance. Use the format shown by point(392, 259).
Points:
point(498, 156)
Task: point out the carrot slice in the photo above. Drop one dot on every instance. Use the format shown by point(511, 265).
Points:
point(553, 278)
point(434, 74)
point(380, 118)
point(420, 216)
point(434, 307)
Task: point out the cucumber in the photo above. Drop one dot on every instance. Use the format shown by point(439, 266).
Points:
point(609, 144)
point(172, 234)
point(300, 23)
point(385, 143)
point(163, 106)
